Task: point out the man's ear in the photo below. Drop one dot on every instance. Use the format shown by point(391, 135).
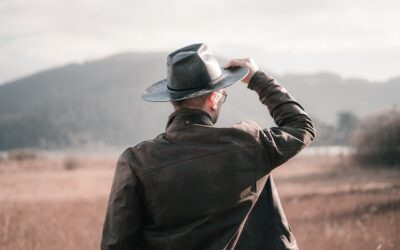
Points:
point(212, 101)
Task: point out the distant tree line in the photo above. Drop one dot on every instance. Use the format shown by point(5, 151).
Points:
point(339, 134)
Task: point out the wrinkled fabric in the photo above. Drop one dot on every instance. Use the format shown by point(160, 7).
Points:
point(197, 186)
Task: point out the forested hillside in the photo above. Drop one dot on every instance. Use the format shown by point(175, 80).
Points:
point(99, 103)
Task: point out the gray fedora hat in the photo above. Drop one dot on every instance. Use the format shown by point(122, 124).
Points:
point(192, 71)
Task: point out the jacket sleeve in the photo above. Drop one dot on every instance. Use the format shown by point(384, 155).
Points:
point(294, 130)
point(124, 213)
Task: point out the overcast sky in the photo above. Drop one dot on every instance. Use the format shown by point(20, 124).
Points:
point(358, 38)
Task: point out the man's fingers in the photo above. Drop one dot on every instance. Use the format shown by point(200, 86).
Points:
point(237, 63)
point(230, 64)
point(246, 63)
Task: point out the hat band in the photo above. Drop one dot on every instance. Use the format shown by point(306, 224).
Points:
point(208, 87)
point(179, 90)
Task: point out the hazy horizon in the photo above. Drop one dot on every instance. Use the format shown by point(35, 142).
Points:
point(267, 69)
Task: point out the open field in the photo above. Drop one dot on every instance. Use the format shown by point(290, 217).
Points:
point(58, 202)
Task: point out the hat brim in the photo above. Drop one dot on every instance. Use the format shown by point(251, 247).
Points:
point(159, 92)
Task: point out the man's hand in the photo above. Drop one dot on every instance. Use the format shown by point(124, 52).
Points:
point(247, 63)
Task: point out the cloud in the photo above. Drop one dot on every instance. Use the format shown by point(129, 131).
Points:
point(39, 34)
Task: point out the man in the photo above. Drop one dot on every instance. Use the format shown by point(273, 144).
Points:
point(201, 187)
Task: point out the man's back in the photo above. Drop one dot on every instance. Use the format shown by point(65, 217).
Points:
point(200, 182)
point(194, 187)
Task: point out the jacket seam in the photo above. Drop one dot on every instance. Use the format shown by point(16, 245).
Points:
point(188, 126)
point(199, 156)
point(123, 226)
point(131, 166)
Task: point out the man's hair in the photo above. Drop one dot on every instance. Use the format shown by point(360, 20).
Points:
point(194, 102)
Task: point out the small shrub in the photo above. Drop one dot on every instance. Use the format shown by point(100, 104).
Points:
point(377, 138)
point(70, 163)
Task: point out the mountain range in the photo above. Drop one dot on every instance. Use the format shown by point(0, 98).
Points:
point(98, 103)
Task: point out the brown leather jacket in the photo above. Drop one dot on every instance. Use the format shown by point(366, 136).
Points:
point(201, 187)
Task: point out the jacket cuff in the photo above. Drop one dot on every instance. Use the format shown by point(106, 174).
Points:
point(255, 79)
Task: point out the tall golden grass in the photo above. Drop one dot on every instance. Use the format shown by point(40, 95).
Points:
point(330, 203)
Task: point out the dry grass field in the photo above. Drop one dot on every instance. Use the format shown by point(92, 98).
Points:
point(58, 202)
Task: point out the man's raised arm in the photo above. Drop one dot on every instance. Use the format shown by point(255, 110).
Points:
point(294, 130)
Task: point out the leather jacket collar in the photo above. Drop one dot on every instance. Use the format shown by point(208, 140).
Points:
point(187, 116)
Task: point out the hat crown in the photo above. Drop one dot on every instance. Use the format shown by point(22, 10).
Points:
point(192, 71)
point(192, 67)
